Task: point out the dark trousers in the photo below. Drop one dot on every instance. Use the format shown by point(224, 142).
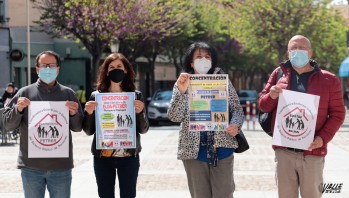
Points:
point(127, 170)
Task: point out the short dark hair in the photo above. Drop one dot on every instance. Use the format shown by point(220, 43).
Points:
point(188, 56)
point(52, 53)
point(11, 85)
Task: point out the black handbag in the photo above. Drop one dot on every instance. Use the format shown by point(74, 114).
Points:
point(264, 120)
point(242, 142)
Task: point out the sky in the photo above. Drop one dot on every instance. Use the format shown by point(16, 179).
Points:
point(340, 2)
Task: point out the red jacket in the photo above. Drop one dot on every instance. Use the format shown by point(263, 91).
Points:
point(331, 113)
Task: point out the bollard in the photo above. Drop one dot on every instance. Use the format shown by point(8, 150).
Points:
point(254, 116)
point(2, 128)
point(248, 114)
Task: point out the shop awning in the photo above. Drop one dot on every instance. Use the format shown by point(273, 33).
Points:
point(344, 68)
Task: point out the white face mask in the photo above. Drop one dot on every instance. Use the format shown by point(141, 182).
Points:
point(202, 65)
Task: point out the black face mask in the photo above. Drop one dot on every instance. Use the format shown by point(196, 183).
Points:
point(116, 75)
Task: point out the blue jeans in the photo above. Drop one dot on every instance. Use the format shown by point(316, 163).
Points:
point(35, 181)
point(105, 171)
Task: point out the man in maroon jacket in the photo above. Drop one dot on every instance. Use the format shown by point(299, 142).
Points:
point(302, 170)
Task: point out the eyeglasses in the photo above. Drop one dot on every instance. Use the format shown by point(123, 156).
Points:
point(297, 48)
point(52, 65)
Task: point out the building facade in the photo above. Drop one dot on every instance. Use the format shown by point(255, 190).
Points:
point(4, 46)
point(75, 62)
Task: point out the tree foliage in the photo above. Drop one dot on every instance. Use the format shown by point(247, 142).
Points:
point(94, 23)
point(265, 27)
point(212, 24)
point(207, 24)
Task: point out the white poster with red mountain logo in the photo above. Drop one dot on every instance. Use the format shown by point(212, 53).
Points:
point(48, 134)
point(295, 119)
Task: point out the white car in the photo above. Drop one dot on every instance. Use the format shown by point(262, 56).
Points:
point(158, 105)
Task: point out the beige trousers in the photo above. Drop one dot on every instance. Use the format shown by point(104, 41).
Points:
point(206, 181)
point(296, 173)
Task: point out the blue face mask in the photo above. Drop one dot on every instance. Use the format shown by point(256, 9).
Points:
point(48, 75)
point(299, 58)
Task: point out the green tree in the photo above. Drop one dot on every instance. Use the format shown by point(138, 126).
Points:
point(214, 29)
point(207, 24)
point(265, 27)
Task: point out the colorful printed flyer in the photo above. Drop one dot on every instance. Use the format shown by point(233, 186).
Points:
point(48, 129)
point(115, 120)
point(295, 119)
point(208, 102)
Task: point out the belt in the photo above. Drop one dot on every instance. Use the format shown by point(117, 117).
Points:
point(295, 150)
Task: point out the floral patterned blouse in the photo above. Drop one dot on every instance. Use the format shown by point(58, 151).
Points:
point(189, 141)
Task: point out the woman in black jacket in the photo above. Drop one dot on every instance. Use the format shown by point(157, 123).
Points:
point(116, 75)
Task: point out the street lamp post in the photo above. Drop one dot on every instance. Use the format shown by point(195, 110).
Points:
point(114, 45)
point(28, 44)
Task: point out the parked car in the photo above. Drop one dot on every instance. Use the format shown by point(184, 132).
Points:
point(158, 105)
point(247, 95)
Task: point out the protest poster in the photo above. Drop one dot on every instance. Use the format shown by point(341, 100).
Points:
point(115, 120)
point(208, 102)
point(295, 119)
point(48, 129)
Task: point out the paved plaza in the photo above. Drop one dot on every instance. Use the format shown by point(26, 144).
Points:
point(162, 175)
